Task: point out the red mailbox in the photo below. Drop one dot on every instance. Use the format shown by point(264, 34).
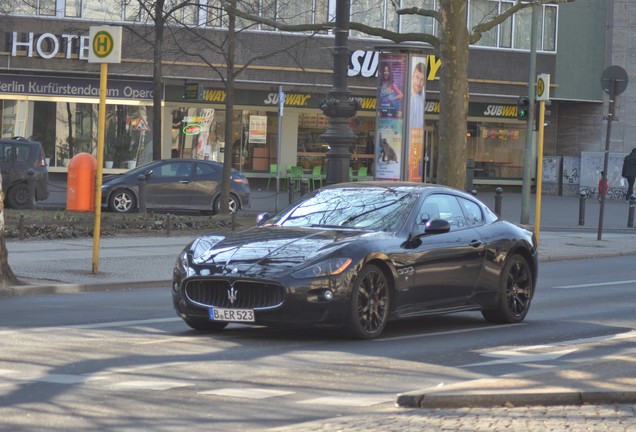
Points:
point(80, 195)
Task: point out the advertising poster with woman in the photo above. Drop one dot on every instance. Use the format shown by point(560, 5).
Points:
point(390, 112)
point(391, 90)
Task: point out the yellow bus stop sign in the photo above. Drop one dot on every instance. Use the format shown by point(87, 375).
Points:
point(105, 44)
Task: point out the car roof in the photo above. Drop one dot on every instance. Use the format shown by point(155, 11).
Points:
point(18, 140)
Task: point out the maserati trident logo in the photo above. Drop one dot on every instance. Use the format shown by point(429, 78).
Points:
point(231, 295)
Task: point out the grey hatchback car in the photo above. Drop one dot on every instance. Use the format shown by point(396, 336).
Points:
point(175, 184)
point(17, 157)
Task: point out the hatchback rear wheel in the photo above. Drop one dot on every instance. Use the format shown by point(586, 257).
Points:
point(233, 204)
point(122, 201)
point(18, 196)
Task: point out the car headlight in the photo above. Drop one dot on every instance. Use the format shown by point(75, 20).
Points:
point(330, 267)
point(182, 262)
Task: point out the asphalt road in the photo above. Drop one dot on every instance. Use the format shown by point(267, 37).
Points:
point(122, 361)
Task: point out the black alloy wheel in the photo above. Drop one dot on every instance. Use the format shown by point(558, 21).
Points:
point(515, 295)
point(370, 303)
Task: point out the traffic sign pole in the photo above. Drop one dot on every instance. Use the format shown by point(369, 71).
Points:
point(105, 47)
point(101, 127)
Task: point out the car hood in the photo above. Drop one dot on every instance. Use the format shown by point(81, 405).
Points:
point(267, 252)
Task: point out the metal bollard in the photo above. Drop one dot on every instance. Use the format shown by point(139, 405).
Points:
point(582, 197)
point(168, 224)
point(291, 186)
point(21, 227)
point(31, 187)
point(498, 198)
point(142, 193)
point(304, 187)
point(630, 215)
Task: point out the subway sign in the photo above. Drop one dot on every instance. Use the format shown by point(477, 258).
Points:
point(365, 64)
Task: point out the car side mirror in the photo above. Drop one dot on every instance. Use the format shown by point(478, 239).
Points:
point(437, 226)
point(262, 218)
point(148, 174)
point(434, 226)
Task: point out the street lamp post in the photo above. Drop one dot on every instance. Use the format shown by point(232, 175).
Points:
point(337, 105)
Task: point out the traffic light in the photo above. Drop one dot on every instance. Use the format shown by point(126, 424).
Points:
point(523, 108)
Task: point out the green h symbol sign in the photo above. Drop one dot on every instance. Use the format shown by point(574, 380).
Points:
point(103, 44)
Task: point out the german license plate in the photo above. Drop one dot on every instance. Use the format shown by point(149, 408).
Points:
point(235, 315)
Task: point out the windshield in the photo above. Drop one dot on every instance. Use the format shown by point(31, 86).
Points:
point(372, 208)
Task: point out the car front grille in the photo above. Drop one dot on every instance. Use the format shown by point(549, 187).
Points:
point(234, 295)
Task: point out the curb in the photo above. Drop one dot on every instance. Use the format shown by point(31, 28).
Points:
point(537, 397)
point(68, 288)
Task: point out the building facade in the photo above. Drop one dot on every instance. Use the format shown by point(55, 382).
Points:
point(49, 91)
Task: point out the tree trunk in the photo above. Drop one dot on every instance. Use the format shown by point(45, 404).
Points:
point(229, 113)
point(157, 72)
point(451, 170)
point(7, 277)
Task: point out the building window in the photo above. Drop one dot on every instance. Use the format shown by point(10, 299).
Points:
point(481, 11)
point(103, 10)
point(374, 13)
point(497, 149)
point(416, 23)
point(215, 14)
point(515, 32)
point(187, 15)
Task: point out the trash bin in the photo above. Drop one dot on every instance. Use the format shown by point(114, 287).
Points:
point(80, 195)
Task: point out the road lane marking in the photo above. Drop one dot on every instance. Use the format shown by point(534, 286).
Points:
point(597, 284)
point(90, 326)
point(148, 385)
point(350, 401)
point(494, 327)
point(549, 352)
point(246, 393)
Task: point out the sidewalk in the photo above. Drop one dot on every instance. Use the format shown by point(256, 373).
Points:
point(62, 266)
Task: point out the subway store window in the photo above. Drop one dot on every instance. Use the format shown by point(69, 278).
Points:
point(199, 133)
point(497, 149)
point(312, 149)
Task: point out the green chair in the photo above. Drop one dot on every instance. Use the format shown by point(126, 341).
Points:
point(361, 174)
point(295, 175)
point(273, 172)
point(316, 176)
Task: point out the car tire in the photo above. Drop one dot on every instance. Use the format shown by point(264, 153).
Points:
point(122, 201)
point(234, 204)
point(206, 325)
point(515, 293)
point(370, 303)
point(18, 196)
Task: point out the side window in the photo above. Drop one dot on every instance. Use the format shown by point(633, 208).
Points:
point(204, 171)
point(443, 207)
point(23, 153)
point(473, 213)
point(174, 169)
point(4, 153)
point(8, 153)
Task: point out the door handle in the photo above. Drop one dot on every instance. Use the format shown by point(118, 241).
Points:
point(475, 243)
point(184, 181)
